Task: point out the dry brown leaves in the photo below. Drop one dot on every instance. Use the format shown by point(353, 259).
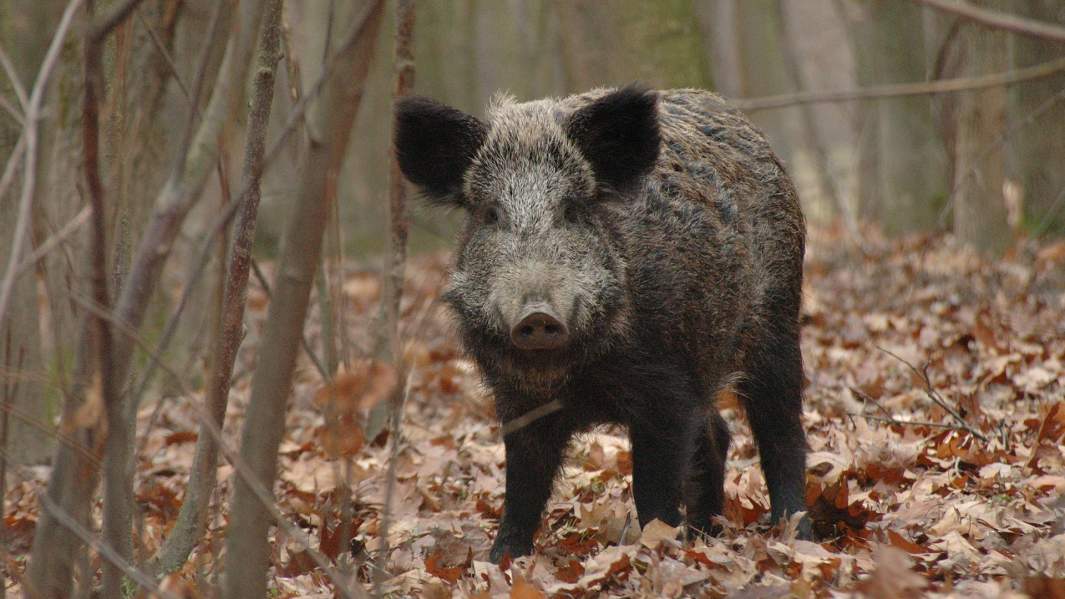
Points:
point(912, 502)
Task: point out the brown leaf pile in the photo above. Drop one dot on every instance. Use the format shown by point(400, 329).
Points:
point(935, 415)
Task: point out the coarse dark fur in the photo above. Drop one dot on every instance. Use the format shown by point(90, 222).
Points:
point(664, 231)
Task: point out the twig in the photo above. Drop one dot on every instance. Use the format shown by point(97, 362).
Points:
point(55, 240)
point(305, 343)
point(999, 20)
point(895, 90)
point(388, 341)
point(16, 83)
point(106, 551)
point(894, 421)
point(14, 112)
point(45, 428)
point(531, 416)
point(12, 165)
point(32, 114)
point(936, 397)
point(112, 19)
point(220, 20)
point(71, 482)
point(214, 230)
point(169, 60)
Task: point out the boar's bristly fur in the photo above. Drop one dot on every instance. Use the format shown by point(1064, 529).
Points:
point(627, 254)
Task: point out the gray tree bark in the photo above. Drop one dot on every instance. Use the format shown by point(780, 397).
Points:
point(1042, 180)
point(911, 166)
point(979, 172)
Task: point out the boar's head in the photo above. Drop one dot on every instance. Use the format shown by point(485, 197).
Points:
point(539, 281)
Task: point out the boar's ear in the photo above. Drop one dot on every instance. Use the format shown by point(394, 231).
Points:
point(618, 134)
point(435, 144)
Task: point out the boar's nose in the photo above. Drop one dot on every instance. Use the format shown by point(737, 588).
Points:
point(539, 328)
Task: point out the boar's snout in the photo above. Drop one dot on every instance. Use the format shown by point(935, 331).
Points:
point(539, 328)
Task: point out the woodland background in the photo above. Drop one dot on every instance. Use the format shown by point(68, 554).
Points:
point(199, 216)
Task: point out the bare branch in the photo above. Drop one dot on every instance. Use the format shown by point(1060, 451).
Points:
point(999, 20)
point(169, 60)
point(112, 19)
point(55, 239)
point(12, 164)
point(16, 83)
point(192, 519)
point(896, 90)
point(11, 110)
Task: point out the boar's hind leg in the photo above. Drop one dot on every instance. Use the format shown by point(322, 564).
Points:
point(534, 454)
point(772, 394)
point(706, 491)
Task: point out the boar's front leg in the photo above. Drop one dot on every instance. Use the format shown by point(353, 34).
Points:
point(662, 448)
point(534, 453)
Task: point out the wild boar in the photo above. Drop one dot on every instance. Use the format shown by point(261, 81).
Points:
point(627, 254)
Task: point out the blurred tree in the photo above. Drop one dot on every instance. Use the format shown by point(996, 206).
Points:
point(903, 163)
point(20, 332)
point(717, 25)
point(979, 154)
point(763, 72)
point(1043, 179)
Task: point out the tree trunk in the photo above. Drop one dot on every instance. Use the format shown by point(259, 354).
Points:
point(1042, 180)
point(911, 161)
point(762, 72)
point(717, 24)
point(979, 209)
point(329, 126)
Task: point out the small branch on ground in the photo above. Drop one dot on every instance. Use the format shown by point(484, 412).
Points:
point(936, 398)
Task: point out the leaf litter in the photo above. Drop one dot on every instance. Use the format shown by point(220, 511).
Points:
point(935, 411)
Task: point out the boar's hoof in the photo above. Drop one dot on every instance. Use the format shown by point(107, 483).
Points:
point(512, 547)
point(539, 328)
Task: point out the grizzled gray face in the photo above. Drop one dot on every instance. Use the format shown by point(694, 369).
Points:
point(539, 276)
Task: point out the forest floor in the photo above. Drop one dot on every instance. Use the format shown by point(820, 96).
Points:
point(935, 411)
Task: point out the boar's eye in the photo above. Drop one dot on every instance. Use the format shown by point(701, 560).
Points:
point(491, 215)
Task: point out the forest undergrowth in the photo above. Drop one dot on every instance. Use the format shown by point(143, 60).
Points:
point(935, 412)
